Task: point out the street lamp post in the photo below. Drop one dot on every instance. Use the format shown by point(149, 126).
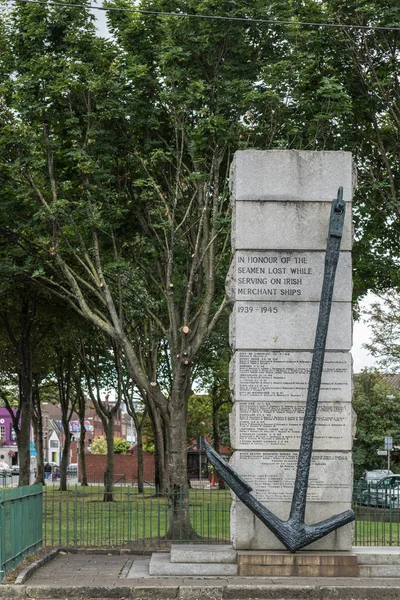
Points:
point(388, 448)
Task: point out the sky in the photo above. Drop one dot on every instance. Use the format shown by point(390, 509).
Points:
point(361, 335)
point(101, 21)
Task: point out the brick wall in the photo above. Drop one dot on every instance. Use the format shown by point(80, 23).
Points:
point(125, 467)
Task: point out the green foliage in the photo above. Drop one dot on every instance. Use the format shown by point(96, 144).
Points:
point(384, 323)
point(99, 445)
point(115, 155)
point(199, 417)
point(121, 446)
point(376, 404)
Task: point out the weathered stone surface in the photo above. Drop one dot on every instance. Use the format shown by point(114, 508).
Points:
point(378, 555)
point(261, 375)
point(161, 565)
point(207, 553)
point(287, 326)
point(12, 591)
point(156, 592)
point(280, 276)
point(281, 210)
point(271, 474)
point(78, 591)
point(277, 425)
point(285, 226)
point(380, 570)
point(292, 175)
point(198, 592)
point(247, 532)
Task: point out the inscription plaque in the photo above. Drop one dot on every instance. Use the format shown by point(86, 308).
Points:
point(274, 375)
point(277, 425)
point(295, 276)
point(272, 474)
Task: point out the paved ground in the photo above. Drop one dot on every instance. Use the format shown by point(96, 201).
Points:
point(126, 576)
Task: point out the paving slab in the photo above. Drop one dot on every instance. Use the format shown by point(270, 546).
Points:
point(67, 576)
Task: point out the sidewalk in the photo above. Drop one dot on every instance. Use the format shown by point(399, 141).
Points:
point(126, 576)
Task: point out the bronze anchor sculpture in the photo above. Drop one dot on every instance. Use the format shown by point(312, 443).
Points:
point(294, 533)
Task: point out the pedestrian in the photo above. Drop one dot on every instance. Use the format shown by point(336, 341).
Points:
point(47, 471)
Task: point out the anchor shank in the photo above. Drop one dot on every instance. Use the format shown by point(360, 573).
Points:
point(307, 436)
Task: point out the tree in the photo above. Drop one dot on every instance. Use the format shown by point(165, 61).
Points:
point(121, 152)
point(68, 397)
point(384, 322)
point(18, 327)
point(139, 415)
point(368, 61)
point(376, 405)
point(81, 410)
point(97, 361)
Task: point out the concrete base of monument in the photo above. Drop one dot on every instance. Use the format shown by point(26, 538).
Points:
point(192, 560)
point(302, 564)
point(209, 561)
point(378, 561)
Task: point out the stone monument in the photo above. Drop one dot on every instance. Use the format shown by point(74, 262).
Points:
point(281, 208)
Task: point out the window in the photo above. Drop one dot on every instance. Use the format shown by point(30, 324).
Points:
point(13, 437)
point(3, 433)
point(53, 443)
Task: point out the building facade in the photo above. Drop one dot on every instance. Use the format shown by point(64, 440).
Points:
point(8, 439)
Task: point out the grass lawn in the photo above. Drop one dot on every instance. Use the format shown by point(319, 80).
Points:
point(371, 532)
point(79, 517)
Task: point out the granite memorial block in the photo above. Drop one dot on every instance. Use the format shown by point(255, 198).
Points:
point(281, 204)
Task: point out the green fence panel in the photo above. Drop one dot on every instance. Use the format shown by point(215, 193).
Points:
point(79, 517)
point(377, 508)
point(20, 525)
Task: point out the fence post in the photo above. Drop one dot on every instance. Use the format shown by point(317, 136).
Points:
point(76, 517)
point(2, 537)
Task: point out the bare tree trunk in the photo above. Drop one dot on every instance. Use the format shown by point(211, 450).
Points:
point(38, 432)
point(64, 373)
point(22, 418)
point(65, 458)
point(23, 438)
point(217, 434)
point(82, 454)
point(140, 464)
point(178, 488)
point(159, 451)
point(108, 425)
point(82, 434)
point(107, 413)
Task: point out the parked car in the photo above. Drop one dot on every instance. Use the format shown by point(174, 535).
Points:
point(373, 477)
point(385, 493)
point(15, 469)
point(72, 469)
